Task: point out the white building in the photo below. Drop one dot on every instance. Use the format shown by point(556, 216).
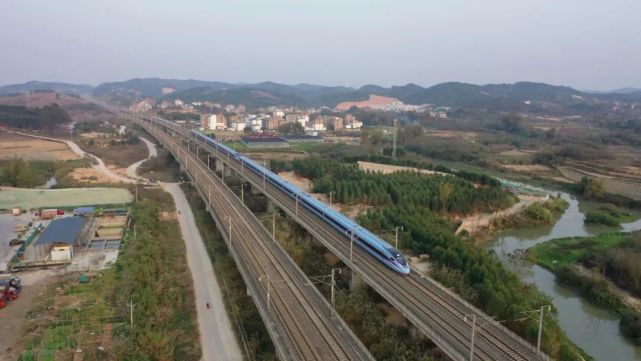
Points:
point(237, 125)
point(179, 103)
point(216, 121)
point(303, 119)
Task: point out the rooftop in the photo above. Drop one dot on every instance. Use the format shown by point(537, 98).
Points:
point(262, 139)
point(64, 230)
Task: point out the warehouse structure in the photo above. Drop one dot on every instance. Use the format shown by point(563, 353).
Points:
point(59, 238)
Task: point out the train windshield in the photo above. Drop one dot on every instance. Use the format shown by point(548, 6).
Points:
point(397, 255)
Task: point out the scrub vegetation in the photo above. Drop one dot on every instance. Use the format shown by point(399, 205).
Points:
point(535, 214)
point(21, 173)
point(608, 215)
point(151, 273)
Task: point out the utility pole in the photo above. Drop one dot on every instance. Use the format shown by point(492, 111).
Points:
point(395, 136)
point(538, 340)
point(351, 244)
point(274, 226)
point(334, 286)
point(269, 289)
point(330, 197)
point(131, 312)
point(396, 238)
point(264, 172)
point(229, 231)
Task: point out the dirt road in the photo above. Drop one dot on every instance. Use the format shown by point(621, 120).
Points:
point(132, 170)
point(101, 167)
point(475, 223)
point(217, 338)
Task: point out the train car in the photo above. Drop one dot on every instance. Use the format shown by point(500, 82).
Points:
point(365, 239)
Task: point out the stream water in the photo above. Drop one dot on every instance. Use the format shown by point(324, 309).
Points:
point(593, 329)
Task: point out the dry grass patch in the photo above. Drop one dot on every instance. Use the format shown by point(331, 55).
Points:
point(17, 146)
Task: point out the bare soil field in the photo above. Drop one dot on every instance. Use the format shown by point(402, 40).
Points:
point(528, 168)
point(120, 155)
point(13, 145)
point(614, 185)
point(13, 316)
point(91, 176)
point(452, 134)
point(516, 153)
point(387, 169)
point(475, 223)
point(284, 156)
point(93, 135)
point(305, 185)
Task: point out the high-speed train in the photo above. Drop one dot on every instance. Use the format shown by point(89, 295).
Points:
point(365, 239)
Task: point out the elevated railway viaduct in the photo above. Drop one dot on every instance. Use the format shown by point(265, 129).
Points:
point(436, 311)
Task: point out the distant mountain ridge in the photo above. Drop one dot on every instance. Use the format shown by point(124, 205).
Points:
point(451, 94)
point(39, 85)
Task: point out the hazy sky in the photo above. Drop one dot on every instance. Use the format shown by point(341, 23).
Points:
point(587, 44)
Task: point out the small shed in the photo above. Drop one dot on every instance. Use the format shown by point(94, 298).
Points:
point(84, 211)
point(60, 236)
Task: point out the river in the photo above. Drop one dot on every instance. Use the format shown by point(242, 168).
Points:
point(593, 329)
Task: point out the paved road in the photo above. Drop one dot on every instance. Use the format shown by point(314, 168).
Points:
point(217, 338)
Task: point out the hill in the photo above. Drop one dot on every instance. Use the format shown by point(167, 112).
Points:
point(46, 118)
point(153, 87)
point(51, 86)
point(40, 99)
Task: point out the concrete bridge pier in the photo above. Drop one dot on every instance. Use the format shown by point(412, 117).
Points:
point(271, 206)
point(356, 281)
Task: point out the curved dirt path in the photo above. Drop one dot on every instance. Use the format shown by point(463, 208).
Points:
point(132, 170)
point(100, 166)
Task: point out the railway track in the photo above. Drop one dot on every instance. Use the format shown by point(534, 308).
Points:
point(439, 313)
point(300, 320)
point(436, 311)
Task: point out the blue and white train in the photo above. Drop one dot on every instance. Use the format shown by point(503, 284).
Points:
point(368, 241)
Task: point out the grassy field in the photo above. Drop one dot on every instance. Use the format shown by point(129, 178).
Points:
point(609, 215)
point(562, 252)
point(49, 198)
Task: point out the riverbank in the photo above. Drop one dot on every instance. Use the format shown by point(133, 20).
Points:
point(603, 268)
point(592, 328)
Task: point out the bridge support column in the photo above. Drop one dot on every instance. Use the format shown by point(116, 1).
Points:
point(356, 281)
point(271, 206)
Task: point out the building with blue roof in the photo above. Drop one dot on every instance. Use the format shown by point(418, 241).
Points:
point(60, 237)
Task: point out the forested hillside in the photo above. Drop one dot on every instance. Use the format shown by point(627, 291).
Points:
point(46, 118)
